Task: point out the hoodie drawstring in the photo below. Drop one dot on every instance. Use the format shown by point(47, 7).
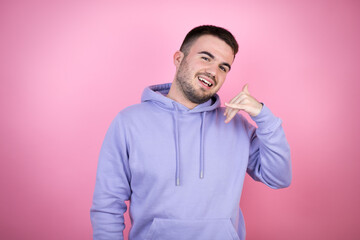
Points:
point(177, 150)
point(202, 145)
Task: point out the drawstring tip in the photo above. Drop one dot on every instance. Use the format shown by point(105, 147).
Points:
point(201, 174)
point(177, 182)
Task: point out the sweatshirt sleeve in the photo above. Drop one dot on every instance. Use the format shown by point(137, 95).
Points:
point(269, 160)
point(112, 186)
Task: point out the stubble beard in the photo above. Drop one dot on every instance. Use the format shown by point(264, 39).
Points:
point(183, 80)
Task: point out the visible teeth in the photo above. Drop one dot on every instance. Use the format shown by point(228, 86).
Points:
point(205, 81)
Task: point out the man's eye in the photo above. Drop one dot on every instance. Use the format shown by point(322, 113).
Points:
point(222, 68)
point(206, 59)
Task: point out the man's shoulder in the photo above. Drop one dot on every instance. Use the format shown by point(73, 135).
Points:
point(135, 110)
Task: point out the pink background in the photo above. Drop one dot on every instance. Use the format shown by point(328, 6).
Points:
point(68, 67)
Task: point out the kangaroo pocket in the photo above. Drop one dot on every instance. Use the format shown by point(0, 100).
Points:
point(182, 229)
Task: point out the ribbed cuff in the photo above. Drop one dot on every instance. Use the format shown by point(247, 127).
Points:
point(266, 120)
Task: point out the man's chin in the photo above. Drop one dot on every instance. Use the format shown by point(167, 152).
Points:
point(199, 100)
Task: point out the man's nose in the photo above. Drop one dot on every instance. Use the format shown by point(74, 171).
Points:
point(212, 70)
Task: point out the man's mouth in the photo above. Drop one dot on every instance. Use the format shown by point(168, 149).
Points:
point(205, 81)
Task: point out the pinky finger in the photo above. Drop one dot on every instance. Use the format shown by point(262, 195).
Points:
point(231, 114)
point(235, 106)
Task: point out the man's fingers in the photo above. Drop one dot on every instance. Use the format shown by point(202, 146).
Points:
point(236, 106)
point(232, 110)
point(232, 101)
point(237, 103)
point(236, 100)
point(245, 89)
point(229, 112)
point(230, 116)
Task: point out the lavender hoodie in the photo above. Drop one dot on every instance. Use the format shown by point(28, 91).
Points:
point(183, 170)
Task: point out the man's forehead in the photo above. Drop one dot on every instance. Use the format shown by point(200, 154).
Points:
point(214, 45)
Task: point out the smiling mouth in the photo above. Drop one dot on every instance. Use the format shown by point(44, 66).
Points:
point(206, 82)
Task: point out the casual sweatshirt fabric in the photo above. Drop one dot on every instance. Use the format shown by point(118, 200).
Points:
point(183, 170)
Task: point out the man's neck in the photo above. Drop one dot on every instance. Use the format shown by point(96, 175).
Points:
point(179, 97)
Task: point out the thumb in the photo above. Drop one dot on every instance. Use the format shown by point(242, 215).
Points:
point(245, 89)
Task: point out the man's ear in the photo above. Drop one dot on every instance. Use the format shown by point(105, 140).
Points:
point(178, 57)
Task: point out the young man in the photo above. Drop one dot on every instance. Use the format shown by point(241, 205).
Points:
point(181, 159)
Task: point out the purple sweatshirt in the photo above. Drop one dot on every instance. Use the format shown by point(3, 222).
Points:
point(183, 170)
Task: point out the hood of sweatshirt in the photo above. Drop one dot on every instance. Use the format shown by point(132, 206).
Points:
point(157, 95)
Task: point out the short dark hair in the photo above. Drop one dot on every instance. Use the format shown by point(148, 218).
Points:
point(219, 32)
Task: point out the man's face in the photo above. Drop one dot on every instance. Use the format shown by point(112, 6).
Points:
point(202, 72)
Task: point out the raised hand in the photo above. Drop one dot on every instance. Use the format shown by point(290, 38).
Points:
point(243, 101)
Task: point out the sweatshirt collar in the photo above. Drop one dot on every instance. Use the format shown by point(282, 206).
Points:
point(157, 94)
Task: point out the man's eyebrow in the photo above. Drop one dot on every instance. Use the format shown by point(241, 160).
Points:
point(207, 53)
point(212, 57)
